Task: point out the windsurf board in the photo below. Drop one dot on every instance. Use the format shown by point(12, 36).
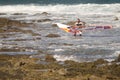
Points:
point(68, 28)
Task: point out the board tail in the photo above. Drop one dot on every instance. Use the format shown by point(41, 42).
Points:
point(66, 29)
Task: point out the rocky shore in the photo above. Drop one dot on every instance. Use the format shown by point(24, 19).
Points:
point(29, 67)
point(25, 67)
point(9, 25)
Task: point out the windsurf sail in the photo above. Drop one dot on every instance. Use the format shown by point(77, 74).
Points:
point(64, 27)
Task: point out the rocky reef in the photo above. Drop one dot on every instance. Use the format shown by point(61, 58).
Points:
point(25, 67)
point(53, 35)
point(9, 25)
point(8, 22)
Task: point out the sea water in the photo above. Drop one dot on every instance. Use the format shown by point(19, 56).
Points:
point(91, 46)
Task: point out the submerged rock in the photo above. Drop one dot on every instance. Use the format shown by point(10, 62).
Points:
point(116, 18)
point(3, 14)
point(44, 20)
point(19, 14)
point(8, 22)
point(53, 35)
point(54, 25)
point(44, 13)
point(66, 44)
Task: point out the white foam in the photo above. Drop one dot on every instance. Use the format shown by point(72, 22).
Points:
point(116, 53)
point(64, 57)
point(57, 50)
point(60, 8)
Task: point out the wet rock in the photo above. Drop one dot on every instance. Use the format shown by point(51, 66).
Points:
point(100, 61)
point(116, 18)
point(22, 63)
point(53, 35)
point(22, 67)
point(54, 25)
point(3, 14)
point(49, 58)
point(9, 50)
point(118, 59)
point(66, 44)
point(44, 20)
point(44, 13)
point(62, 71)
point(37, 38)
point(3, 22)
point(30, 32)
point(8, 22)
point(23, 39)
point(10, 29)
point(110, 78)
point(41, 20)
point(19, 14)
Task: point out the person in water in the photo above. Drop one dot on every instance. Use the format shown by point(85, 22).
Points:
point(78, 25)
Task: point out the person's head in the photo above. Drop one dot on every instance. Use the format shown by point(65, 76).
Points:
point(78, 20)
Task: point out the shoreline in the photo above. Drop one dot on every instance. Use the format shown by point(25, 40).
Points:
point(24, 67)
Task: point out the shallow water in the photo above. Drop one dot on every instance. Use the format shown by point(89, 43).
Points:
point(92, 45)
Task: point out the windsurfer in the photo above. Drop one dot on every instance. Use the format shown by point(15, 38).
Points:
point(78, 25)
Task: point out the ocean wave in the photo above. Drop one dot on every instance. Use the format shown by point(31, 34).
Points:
point(60, 8)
